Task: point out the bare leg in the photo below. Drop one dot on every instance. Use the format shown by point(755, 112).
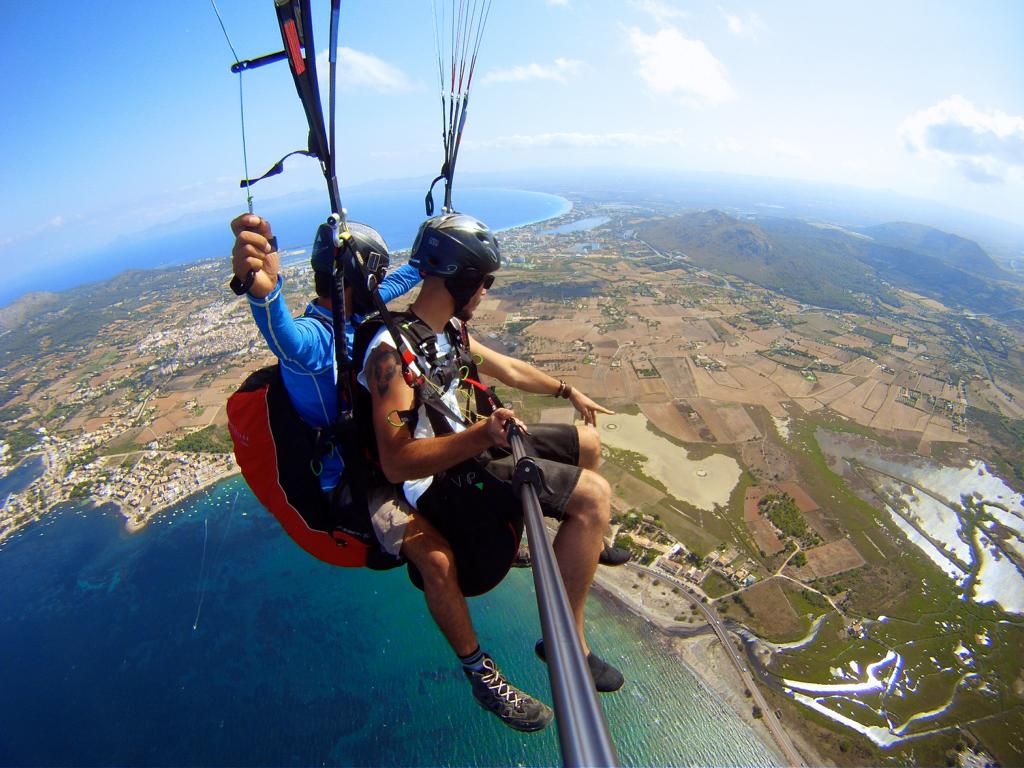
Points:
point(580, 539)
point(425, 548)
point(590, 458)
point(590, 446)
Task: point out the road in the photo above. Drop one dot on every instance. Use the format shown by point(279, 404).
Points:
point(786, 745)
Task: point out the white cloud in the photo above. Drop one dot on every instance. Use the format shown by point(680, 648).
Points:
point(984, 146)
point(672, 64)
point(57, 221)
point(782, 148)
point(626, 139)
point(662, 12)
point(749, 27)
point(727, 145)
point(358, 69)
point(559, 72)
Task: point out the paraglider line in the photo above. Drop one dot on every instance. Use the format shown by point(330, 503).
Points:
point(202, 568)
point(241, 106)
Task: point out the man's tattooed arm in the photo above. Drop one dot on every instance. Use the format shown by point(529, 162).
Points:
point(381, 367)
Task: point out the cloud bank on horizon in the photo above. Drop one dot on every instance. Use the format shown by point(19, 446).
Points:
point(866, 94)
point(986, 146)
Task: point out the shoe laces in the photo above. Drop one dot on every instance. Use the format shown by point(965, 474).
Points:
point(495, 681)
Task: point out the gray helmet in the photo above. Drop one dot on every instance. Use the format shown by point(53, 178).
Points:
point(454, 245)
point(366, 240)
point(370, 245)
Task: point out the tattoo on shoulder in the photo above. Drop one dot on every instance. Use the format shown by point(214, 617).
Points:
point(381, 368)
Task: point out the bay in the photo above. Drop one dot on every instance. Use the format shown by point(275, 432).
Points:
point(396, 212)
point(21, 475)
point(209, 638)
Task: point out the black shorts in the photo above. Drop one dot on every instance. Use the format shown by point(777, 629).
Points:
point(556, 447)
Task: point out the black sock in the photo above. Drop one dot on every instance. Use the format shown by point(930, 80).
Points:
point(474, 660)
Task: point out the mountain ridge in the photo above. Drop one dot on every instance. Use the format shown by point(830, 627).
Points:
point(836, 268)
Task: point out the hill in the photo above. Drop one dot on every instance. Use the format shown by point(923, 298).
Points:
point(29, 305)
point(953, 250)
point(831, 267)
point(812, 266)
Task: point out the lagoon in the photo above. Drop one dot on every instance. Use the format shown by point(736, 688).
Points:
point(704, 483)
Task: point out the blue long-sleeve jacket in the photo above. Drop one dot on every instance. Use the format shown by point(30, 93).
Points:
point(305, 348)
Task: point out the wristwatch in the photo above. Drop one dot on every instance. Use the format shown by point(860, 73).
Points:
point(241, 287)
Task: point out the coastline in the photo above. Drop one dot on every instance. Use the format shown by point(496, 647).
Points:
point(567, 207)
point(696, 645)
point(134, 522)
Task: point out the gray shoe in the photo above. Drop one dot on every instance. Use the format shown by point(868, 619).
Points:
point(606, 677)
point(513, 707)
point(612, 555)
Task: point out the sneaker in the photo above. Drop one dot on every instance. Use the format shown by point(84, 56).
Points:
point(522, 558)
point(612, 555)
point(513, 707)
point(606, 677)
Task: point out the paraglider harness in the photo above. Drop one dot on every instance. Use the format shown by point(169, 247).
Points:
point(476, 515)
point(281, 457)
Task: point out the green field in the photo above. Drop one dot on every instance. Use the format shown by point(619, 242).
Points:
point(925, 623)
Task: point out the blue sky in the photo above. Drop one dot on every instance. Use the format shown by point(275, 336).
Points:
point(122, 115)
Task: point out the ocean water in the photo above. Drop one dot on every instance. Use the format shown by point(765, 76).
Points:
point(209, 638)
point(395, 213)
point(20, 477)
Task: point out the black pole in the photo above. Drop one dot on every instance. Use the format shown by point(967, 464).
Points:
point(582, 730)
point(259, 61)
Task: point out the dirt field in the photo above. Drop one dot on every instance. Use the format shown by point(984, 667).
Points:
point(677, 376)
point(667, 418)
point(834, 557)
point(897, 416)
point(558, 415)
point(636, 493)
point(803, 501)
point(774, 617)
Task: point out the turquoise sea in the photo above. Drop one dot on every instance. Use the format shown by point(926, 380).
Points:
point(209, 638)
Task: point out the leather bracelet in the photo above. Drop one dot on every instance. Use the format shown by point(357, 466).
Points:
point(561, 389)
point(567, 393)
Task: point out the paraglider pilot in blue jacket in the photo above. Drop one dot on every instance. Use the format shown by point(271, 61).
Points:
point(305, 345)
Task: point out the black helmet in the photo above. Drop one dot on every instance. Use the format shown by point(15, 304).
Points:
point(454, 245)
point(370, 245)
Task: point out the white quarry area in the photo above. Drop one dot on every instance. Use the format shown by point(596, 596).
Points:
point(939, 520)
point(975, 479)
point(999, 580)
point(824, 697)
point(933, 553)
point(872, 684)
